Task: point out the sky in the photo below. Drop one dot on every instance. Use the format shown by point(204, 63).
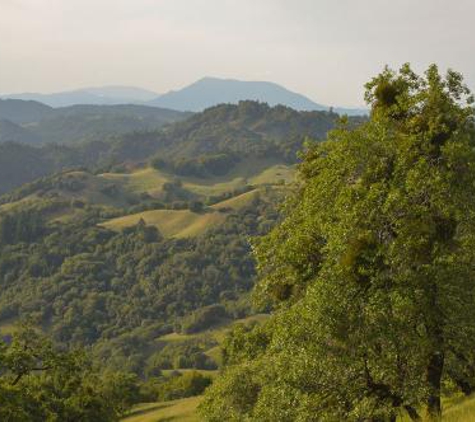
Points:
point(325, 49)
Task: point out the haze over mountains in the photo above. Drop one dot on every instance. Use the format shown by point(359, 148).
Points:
point(202, 94)
point(107, 95)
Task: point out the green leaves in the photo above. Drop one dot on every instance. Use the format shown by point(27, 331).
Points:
point(371, 271)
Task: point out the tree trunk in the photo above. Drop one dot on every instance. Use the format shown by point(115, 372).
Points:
point(434, 377)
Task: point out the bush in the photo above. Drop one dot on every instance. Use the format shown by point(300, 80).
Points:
point(203, 319)
point(182, 386)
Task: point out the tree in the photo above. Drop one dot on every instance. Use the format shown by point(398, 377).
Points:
point(371, 272)
point(40, 383)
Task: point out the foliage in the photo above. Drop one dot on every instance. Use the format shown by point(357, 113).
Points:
point(204, 144)
point(371, 272)
point(188, 354)
point(119, 291)
point(178, 386)
point(203, 166)
point(40, 383)
point(202, 319)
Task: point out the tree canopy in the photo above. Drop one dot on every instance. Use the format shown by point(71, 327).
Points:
point(371, 273)
point(38, 382)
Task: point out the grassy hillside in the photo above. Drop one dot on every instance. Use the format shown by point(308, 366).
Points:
point(460, 410)
point(171, 223)
point(184, 410)
point(252, 171)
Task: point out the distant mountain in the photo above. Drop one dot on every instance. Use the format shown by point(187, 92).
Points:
point(208, 92)
point(205, 93)
point(108, 95)
point(19, 112)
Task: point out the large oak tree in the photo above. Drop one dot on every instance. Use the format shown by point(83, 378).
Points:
point(371, 272)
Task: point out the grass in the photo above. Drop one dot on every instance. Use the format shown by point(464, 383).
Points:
point(8, 328)
point(178, 410)
point(257, 171)
point(185, 410)
point(90, 190)
point(183, 223)
point(171, 223)
point(237, 202)
point(456, 410)
point(144, 180)
point(218, 333)
point(460, 410)
point(274, 174)
point(209, 372)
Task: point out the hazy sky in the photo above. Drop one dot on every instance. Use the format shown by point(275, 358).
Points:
point(326, 49)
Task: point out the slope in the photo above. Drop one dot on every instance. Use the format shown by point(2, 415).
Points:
point(18, 111)
point(11, 132)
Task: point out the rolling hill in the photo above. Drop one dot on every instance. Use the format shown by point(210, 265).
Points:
point(243, 131)
point(86, 122)
point(19, 111)
point(34, 123)
point(11, 132)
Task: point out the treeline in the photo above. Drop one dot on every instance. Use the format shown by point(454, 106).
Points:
point(202, 166)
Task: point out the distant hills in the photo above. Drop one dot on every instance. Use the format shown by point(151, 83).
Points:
point(107, 95)
point(226, 132)
point(12, 132)
point(22, 111)
point(31, 122)
point(204, 93)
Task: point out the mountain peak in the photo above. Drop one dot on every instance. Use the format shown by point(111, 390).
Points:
point(210, 91)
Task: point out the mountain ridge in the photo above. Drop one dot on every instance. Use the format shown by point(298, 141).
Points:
point(210, 91)
point(104, 95)
point(197, 96)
